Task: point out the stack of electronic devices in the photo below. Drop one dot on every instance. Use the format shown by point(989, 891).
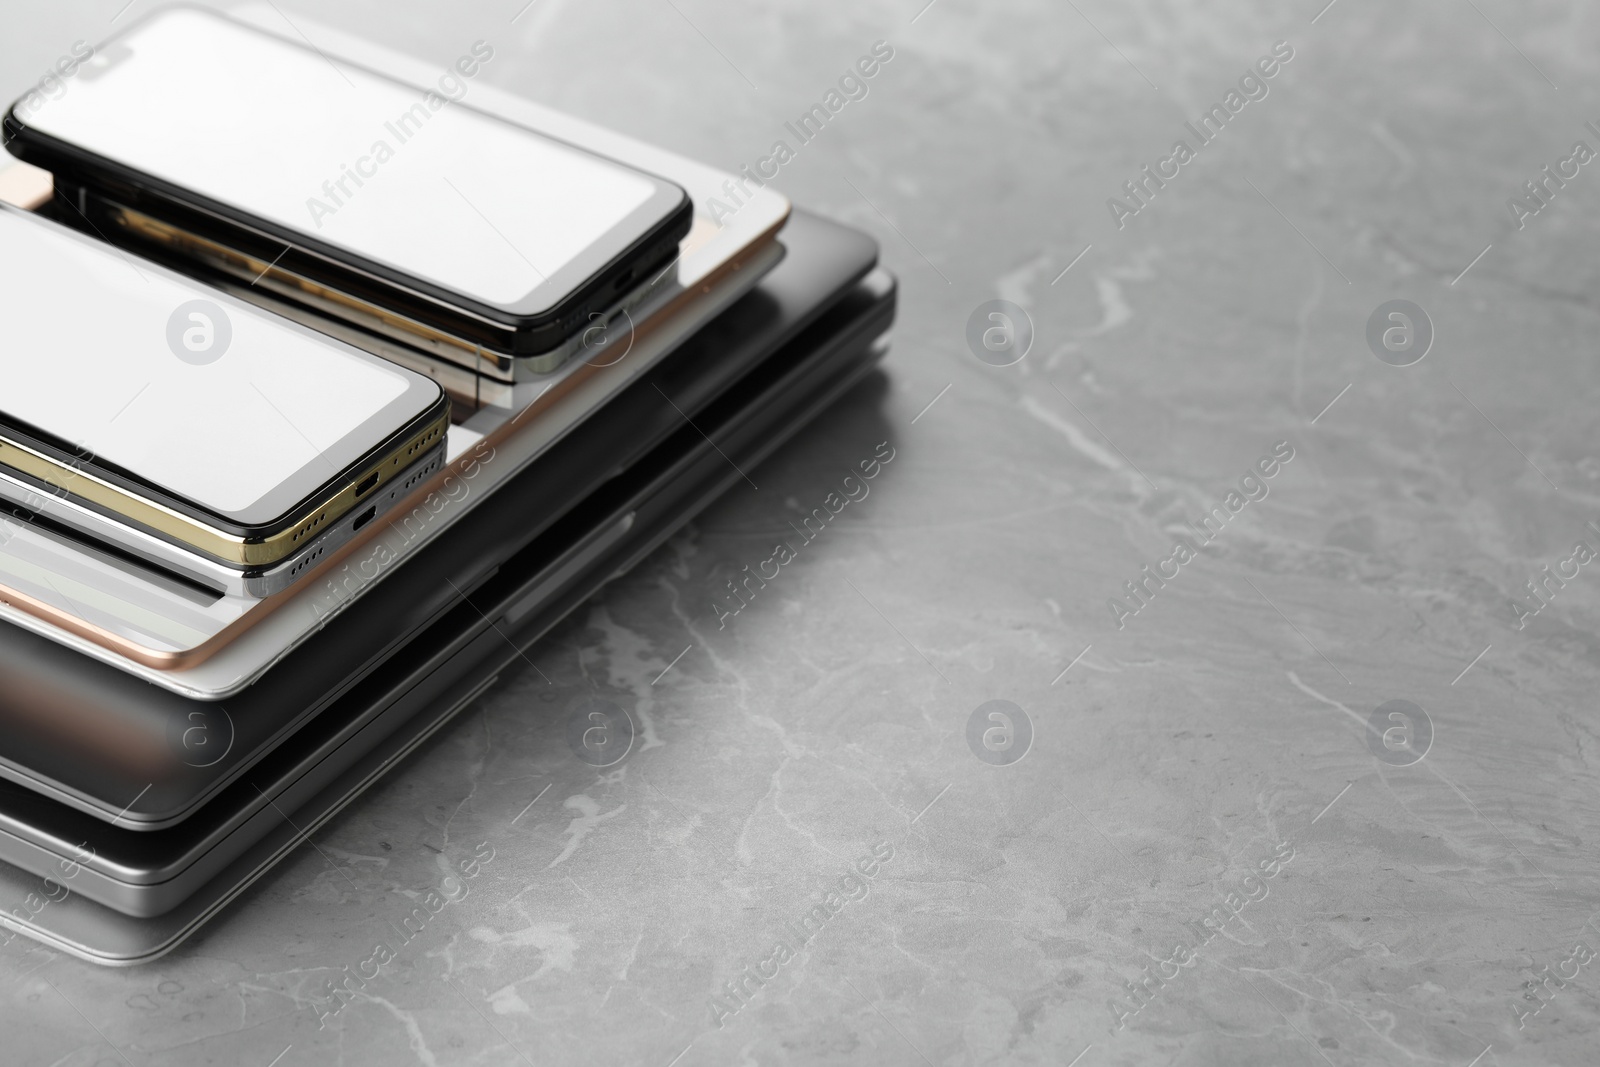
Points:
point(331, 380)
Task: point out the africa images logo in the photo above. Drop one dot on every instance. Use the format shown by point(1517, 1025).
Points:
point(810, 528)
point(1253, 487)
point(1399, 733)
point(999, 733)
point(452, 87)
point(1399, 332)
point(199, 332)
point(599, 732)
point(999, 333)
point(853, 85)
point(1252, 86)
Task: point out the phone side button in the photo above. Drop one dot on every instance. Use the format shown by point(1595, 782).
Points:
point(553, 577)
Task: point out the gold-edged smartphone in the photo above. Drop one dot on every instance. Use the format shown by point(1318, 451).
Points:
point(186, 413)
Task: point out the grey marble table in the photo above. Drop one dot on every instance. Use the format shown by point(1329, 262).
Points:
point(1311, 773)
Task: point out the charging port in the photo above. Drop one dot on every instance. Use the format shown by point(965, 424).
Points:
point(367, 483)
point(364, 518)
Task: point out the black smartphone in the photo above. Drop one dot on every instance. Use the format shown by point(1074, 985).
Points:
point(398, 203)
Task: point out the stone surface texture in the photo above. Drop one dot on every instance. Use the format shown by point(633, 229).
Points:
point(1206, 759)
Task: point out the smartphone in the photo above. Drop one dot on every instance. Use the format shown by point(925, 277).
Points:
point(406, 207)
point(183, 412)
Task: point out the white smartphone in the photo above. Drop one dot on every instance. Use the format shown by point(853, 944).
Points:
point(190, 415)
